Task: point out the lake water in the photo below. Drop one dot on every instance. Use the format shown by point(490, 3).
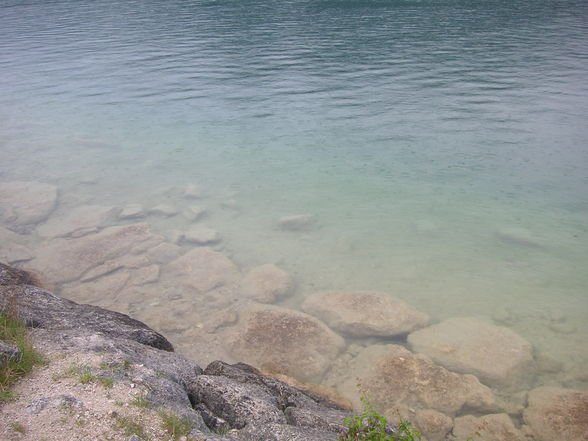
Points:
point(441, 146)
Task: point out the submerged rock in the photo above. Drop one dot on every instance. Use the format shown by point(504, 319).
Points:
point(165, 210)
point(284, 341)
point(494, 427)
point(519, 237)
point(297, 222)
point(77, 222)
point(557, 414)
point(63, 260)
point(266, 284)
point(193, 212)
point(365, 314)
point(433, 425)
point(202, 269)
point(396, 379)
point(132, 211)
point(496, 355)
point(201, 235)
point(24, 204)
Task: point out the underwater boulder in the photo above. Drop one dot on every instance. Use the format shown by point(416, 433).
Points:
point(496, 355)
point(365, 314)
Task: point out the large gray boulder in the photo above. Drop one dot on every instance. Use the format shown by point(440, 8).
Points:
point(239, 404)
point(496, 355)
point(42, 309)
point(396, 379)
point(557, 414)
point(285, 432)
point(365, 314)
point(284, 341)
point(24, 204)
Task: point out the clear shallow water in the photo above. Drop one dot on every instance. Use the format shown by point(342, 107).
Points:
point(417, 133)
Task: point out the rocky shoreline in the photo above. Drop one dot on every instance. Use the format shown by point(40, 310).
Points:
point(234, 399)
point(454, 378)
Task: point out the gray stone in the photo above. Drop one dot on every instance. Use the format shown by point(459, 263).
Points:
point(283, 432)
point(286, 394)
point(38, 405)
point(557, 414)
point(396, 379)
point(202, 269)
point(298, 222)
point(237, 403)
point(365, 314)
point(327, 420)
point(14, 276)
point(45, 310)
point(495, 427)
point(496, 355)
point(134, 438)
point(284, 341)
point(78, 221)
point(8, 353)
point(24, 204)
point(266, 284)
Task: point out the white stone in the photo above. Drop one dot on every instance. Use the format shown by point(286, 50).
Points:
point(365, 314)
point(201, 235)
point(266, 284)
point(496, 355)
point(202, 269)
point(296, 222)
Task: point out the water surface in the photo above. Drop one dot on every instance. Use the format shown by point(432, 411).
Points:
point(440, 145)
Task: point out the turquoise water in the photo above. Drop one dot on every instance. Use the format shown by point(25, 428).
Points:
point(441, 145)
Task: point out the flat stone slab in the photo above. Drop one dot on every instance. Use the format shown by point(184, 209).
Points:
point(266, 284)
point(202, 269)
point(77, 222)
point(395, 379)
point(365, 314)
point(496, 355)
point(557, 414)
point(284, 341)
point(63, 260)
point(132, 211)
point(26, 203)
